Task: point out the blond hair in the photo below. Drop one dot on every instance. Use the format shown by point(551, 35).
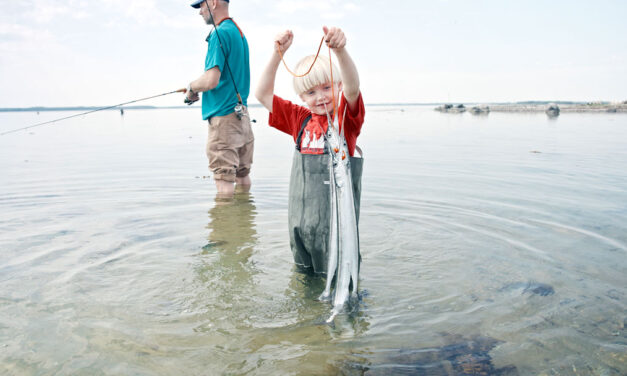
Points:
point(319, 74)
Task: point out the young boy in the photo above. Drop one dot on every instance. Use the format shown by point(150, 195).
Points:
point(309, 198)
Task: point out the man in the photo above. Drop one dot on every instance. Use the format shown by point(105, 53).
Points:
point(225, 86)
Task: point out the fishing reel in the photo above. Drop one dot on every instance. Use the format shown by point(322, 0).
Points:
point(240, 111)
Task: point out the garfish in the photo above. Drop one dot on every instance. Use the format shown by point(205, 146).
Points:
point(343, 250)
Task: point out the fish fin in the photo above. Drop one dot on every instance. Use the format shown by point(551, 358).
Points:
point(325, 296)
point(332, 317)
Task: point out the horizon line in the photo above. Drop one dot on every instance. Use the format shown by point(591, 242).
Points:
point(255, 105)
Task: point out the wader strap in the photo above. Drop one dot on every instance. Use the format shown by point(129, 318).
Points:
point(300, 133)
point(358, 149)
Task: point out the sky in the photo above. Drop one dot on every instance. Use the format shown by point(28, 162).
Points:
point(103, 52)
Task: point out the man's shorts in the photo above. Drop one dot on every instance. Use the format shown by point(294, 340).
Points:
point(230, 147)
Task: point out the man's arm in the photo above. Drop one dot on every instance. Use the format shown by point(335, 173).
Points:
point(265, 89)
point(207, 81)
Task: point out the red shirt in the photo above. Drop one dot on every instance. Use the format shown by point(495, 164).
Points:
point(288, 117)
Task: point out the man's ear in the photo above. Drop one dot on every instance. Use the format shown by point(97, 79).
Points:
point(339, 86)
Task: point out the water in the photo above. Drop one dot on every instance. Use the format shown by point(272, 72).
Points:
point(490, 244)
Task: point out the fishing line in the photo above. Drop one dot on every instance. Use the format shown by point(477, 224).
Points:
point(89, 112)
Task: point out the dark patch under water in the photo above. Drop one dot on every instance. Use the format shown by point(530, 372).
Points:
point(461, 356)
point(213, 244)
point(537, 288)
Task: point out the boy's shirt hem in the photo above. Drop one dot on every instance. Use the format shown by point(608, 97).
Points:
point(288, 118)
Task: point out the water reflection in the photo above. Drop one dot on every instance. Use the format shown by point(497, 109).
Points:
point(225, 273)
point(298, 341)
point(232, 225)
point(253, 323)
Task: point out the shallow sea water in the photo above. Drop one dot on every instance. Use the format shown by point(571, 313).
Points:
point(491, 245)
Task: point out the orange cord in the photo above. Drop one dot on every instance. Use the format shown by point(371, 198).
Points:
point(309, 70)
point(312, 64)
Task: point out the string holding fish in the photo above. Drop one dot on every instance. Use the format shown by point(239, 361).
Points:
point(333, 117)
point(310, 67)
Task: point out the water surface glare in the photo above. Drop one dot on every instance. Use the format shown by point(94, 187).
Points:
point(491, 245)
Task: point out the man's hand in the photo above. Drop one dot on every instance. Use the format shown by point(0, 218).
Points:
point(190, 97)
point(284, 40)
point(334, 37)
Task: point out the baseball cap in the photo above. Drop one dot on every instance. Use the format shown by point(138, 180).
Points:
point(196, 4)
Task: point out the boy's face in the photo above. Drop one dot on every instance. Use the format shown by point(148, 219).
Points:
point(318, 96)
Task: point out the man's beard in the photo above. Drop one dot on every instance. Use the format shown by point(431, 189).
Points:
point(209, 19)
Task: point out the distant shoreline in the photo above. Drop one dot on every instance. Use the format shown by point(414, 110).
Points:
point(524, 106)
point(586, 107)
point(551, 108)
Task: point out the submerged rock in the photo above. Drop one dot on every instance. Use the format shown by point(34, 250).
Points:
point(213, 244)
point(537, 288)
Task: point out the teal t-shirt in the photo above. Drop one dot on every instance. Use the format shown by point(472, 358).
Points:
point(222, 99)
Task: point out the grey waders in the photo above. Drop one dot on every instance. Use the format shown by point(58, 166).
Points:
point(309, 206)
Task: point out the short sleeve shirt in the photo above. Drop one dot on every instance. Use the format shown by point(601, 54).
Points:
point(288, 117)
point(222, 99)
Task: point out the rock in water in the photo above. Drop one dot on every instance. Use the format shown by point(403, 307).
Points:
point(537, 288)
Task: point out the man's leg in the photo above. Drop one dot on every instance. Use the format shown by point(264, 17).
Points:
point(225, 188)
point(222, 156)
point(243, 184)
point(242, 176)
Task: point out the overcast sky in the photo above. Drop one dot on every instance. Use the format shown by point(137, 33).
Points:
point(101, 52)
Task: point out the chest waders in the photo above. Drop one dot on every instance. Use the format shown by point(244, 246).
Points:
point(309, 206)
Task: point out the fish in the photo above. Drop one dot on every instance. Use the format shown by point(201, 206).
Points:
point(343, 250)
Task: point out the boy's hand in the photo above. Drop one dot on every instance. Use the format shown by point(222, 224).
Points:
point(284, 40)
point(334, 37)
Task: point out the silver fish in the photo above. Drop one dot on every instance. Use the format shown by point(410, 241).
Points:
point(343, 257)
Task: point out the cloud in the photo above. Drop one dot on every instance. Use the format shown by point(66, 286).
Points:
point(45, 12)
point(17, 38)
point(146, 13)
point(292, 6)
point(16, 31)
point(351, 7)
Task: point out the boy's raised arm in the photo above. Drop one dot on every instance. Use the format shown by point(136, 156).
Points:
point(336, 40)
point(265, 88)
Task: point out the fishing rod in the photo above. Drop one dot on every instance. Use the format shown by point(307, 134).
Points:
point(239, 108)
point(89, 112)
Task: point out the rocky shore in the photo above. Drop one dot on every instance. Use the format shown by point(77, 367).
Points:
point(588, 107)
point(551, 109)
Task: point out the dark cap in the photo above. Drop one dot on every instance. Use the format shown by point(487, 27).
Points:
point(196, 4)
